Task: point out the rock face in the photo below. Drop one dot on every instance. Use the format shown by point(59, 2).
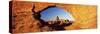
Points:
point(23, 21)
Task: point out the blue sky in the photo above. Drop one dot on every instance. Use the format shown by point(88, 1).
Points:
point(51, 13)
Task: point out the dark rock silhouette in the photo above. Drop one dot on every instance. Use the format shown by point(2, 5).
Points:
point(37, 16)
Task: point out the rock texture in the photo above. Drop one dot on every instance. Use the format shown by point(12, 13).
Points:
point(22, 20)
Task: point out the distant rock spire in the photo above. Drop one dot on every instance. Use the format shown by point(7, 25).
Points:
point(57, 18)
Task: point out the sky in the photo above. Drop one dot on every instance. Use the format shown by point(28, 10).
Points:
point(50, 14)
